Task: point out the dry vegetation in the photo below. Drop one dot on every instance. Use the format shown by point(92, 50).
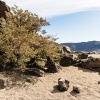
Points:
point(20, 41)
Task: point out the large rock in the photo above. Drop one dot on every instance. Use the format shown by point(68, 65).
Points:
point(52, 67)
point(65, 50)
point(3, 9)
point(82, 56)
point(90, 63)
point(66, 61)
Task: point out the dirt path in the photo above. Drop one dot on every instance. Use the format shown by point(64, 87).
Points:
point(45, 88)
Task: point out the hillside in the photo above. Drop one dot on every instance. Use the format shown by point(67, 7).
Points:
point(84, 46)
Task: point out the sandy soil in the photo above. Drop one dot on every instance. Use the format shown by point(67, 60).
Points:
point(94, 55)
point(45, 88)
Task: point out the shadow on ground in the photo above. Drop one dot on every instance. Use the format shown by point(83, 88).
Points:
point(55, 89)
point(73, 93)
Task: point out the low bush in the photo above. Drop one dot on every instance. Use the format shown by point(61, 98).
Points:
point(20, 41)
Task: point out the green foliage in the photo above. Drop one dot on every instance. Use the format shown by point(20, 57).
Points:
point(20, 41)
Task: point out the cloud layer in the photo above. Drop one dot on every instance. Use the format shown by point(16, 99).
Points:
point(51, 8)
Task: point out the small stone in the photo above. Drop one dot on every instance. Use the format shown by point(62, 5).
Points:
point(2, 83)
point(77, 88)
point(63, 84)
point(98, 82)
point(28, 80)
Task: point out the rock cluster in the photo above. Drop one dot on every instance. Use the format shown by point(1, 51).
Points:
point(63, 85)
point(80, 59)
point(40, 66)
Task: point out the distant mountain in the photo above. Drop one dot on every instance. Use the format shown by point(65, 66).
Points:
point(84, 46)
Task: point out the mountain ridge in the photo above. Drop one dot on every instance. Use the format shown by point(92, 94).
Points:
point(84, 46)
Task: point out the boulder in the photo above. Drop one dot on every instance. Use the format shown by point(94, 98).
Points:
point(82, 56)
point(52, 67)
point(90, 63)
point(74, 56)
point(66, 61)
point(67, 49)
point(63, 84)
point(3, 8)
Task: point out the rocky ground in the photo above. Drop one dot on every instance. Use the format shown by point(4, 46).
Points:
point(19, 86)
point(45, 87)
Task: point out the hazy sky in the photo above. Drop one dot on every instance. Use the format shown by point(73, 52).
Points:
point(71, 20)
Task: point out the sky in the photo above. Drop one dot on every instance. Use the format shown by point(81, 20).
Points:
point(71, 20)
